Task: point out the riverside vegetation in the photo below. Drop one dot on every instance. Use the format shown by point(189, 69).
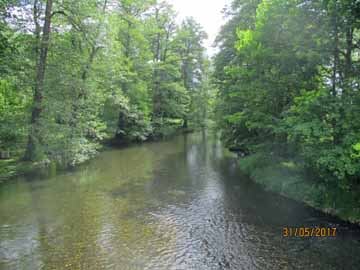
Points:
point(76, 74)
point(288, 79)
point(283, 87)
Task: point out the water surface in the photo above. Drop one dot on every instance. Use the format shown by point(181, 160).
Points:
point(177, 204)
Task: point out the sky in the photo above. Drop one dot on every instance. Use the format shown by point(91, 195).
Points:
point(206, 12)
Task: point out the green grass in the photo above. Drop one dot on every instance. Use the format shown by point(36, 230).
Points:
point(289, 178)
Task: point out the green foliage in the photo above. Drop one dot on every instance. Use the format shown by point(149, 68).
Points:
point(292, 80)
point(121, 73)
point(12, 112)
point(326, 139)
point(356, 147)
point(133, 125)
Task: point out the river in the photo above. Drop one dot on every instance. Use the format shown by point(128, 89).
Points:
point(176, 204)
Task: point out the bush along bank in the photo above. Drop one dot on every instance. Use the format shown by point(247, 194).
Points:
point(290, 178)
point(14, 167)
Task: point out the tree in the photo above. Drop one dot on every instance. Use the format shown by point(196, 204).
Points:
point(94, 71)
point(291, 83)
point(189, 46)
point(34, 140)
point(135, 70)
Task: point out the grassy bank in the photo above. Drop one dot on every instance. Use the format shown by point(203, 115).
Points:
point(290, 179)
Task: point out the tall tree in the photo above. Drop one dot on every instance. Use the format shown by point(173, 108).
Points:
point(189, 44)
point(34, 140)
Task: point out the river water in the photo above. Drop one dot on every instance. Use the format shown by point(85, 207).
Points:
point(176, 204)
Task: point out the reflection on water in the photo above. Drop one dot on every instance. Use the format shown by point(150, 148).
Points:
point(178, 204)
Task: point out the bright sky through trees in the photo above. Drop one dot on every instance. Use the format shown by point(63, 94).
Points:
point(206, 12)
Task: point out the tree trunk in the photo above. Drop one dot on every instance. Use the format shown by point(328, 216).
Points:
point(348, 53)
point(336, 74)
point(186, 123)
point(4, 155)
point(336, 56)
point(34, 134)
point(156, 76)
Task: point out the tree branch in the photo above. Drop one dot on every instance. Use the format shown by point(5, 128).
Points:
point(59, 12)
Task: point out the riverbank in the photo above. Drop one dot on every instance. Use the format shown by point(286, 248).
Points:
point(16, 167)
point(13, 168)
point(290, 179)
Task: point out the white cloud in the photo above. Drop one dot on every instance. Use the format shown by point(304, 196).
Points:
point(206, 12)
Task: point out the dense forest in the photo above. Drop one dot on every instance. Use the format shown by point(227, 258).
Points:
point(284, 83)
point(288, 74)
point(75, 74)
